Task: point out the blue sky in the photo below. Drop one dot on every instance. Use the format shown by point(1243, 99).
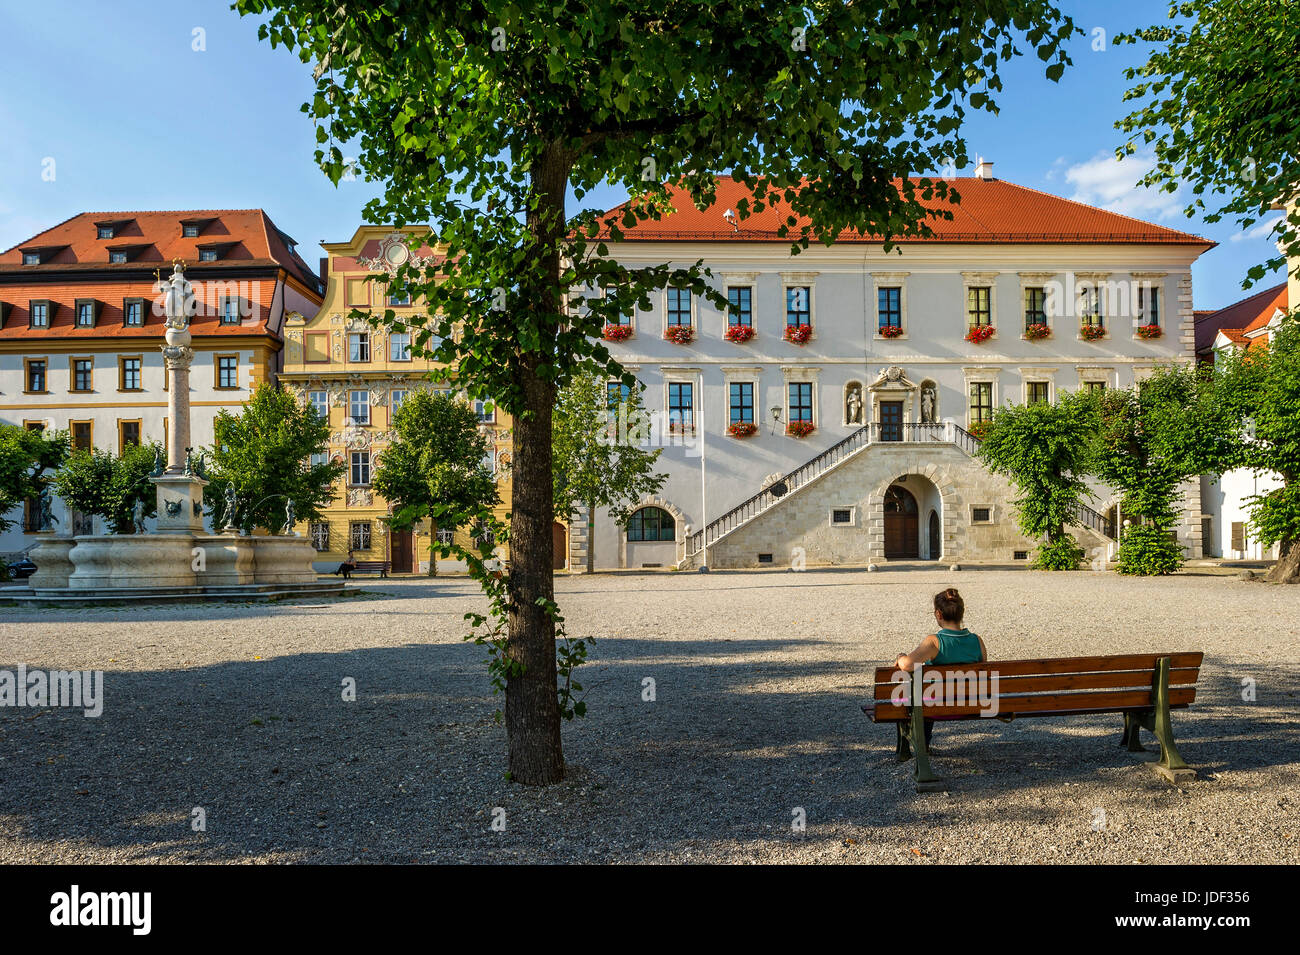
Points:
point(134, 117)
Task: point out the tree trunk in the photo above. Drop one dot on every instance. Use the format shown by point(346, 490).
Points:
point(532, 711)
point(591, 538)
point(1287, 568)
point(433, 549)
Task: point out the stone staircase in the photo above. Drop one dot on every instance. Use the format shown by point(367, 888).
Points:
point(947, 433)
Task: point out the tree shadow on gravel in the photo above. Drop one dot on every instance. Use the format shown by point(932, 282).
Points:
point(725, 751)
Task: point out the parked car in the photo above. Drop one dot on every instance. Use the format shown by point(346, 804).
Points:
point(22, 569)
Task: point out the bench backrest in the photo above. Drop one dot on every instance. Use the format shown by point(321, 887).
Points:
point(1060, 686)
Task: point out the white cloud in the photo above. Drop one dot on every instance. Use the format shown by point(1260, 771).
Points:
point(1110, 183)
point(1262, 229)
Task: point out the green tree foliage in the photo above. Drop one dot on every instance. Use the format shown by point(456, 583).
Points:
point(1262, 388)
point(483, 118)
point(434, 467)
point(1219, 104)
point(1044, 450)
point(107, 485)
point(28, 461)
point(599, 461)
point(264, 452)
point(1151, 438)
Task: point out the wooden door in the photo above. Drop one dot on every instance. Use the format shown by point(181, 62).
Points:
point(935, 550)
point(891, 421)
point(901, 524)
point(402, 554)
point(559, 546)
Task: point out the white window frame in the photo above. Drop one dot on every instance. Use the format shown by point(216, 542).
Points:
point(1039, 375)
point(795, 374)
point(352, 468)
point(402, 339)
point(361, 338)
point(1048, 282)
point(881, 280)
point(988, 280)
point(806, 280)
point(317, 406)
point(695, 311)
point(352, 405)
point(982, 374)
point(993, 514)
point(853, 516)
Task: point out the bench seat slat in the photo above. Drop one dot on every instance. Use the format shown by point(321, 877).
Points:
point(1143, 661)
point(1116, 679)
point(1049, 703)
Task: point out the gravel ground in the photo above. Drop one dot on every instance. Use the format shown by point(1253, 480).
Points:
point(758, 676)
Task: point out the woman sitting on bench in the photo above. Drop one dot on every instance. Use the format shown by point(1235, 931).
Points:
point(952, 644)
point(349, 564)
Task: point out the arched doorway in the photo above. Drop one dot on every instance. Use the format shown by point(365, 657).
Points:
point(902, 538)
point(936, 549)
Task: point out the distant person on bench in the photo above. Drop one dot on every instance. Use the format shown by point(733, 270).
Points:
point(349, 564)
point(953, 643)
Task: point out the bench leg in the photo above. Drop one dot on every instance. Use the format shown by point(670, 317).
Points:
point(1132, 727)
point(902, 750)
point(1170, 759)
point(925, 777)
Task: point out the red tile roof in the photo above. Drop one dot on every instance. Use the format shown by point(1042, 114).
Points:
point(250, 237)
point(1235, 320)
point(990, 211)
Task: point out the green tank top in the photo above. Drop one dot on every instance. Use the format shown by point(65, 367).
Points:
point(958, 646)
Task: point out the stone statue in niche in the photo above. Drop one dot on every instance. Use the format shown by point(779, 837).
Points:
point(853, 405)
point(927, 404)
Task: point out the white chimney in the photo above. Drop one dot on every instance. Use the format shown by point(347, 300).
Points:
point(984, 170)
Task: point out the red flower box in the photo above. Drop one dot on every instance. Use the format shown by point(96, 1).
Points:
point(742, 429)
point(798, 334)
point(1091, 333)
point(680, 334)
point(1038, 330)
point(979, 429)
point(800, 429)
point(616, 333)
point(980, 333)
point(738, 333)
point(890, 331)
point(1150, 331)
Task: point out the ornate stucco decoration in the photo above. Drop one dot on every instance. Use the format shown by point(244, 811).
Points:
point(393, 254)
point(360, 497)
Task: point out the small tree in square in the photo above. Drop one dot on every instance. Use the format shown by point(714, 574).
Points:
point(434, 468)
point(29, 460)
point(264, 452)
point(599, 461)
point(1150, 439)
point(110, 485)
point(1045, 450)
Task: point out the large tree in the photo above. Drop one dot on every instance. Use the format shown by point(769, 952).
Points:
point(484, 117)
point(1044, 450)
point(1261, 386)
point(598, 430)
point(29, 459)
point(434, 466)
point(110, 485)
point(264, 452)
point(1218, 104)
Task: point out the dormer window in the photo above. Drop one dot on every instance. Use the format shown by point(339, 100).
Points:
point(133, 312)
point(87, 310)
point(190, 230)
point(104, 232)
point(31, 258)
point(230, 311)
point(39, 313)
point(207, 255)
point(117, 258)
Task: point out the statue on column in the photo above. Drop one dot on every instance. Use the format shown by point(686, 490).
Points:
point(290, 519)
point(177, 295)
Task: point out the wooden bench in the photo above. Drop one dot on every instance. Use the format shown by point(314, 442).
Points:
point(379, 567)
point(1143, 687)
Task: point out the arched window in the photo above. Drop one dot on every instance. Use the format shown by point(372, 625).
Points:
point(651, 524)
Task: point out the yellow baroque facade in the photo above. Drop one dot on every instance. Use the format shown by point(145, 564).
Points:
point(357, 375)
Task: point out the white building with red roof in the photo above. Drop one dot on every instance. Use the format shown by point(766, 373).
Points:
point(81, 327)
point(830, 415)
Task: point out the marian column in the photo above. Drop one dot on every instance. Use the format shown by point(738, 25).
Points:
point(180, 491)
